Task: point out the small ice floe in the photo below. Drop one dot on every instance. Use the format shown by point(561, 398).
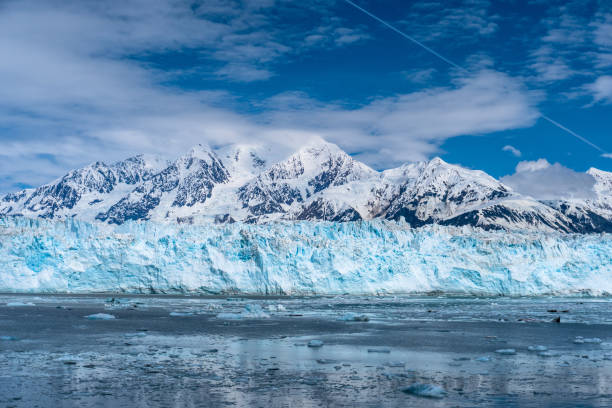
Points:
point(579, 340)
point(425, 390)
point(353, 317)
point(506, 352)
point(394, 364)
point(379, 350)
point(250, 312)
point(483, 359)
point(229, 316)
point(594, 340)
point(139, 334)
point(100, 316)
point(181, 314)
point(315, 343)
point(537, 348)
point(19, 304)
point(549, 353)
point(276, 308)
point(326, 361)
point(8, 338)
point(254, 312)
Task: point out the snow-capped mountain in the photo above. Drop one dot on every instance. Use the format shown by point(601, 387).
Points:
point(318, 182)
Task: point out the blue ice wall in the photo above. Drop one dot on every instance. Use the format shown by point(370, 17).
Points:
point(297, 258)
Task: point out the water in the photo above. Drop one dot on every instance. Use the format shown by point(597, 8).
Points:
point(177, 352)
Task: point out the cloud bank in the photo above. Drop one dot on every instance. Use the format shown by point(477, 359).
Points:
point(544, 181)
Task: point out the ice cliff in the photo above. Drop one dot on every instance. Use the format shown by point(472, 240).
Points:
point(364, 257)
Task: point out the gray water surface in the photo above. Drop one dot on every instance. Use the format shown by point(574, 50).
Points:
point(219, 351)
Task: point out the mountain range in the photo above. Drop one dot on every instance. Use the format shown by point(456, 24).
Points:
point(317, 182)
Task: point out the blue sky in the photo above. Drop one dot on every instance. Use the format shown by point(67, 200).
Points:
point(82, 81)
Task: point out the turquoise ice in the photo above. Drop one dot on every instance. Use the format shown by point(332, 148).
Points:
point(376, 257)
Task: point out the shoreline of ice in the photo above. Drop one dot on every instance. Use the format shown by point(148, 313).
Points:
point(298, 258)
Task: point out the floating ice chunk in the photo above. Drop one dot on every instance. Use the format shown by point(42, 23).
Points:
point(100, 316)
point(506, 352)
point(229, 316)
point(250, 312)
point(353, 317)
point(483, 359)
point(395, 364)
point(181, 314)
point(139, 334)
point(8, 338)
point(549, 353)
point(595, 340)
point(537, 348)
point(254, 311)
point(315, 343)
point(276, 308)
point(380, 350)
point(19, 304)
point(326, 361)
point(425, 390)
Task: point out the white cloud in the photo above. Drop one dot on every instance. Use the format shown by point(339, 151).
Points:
point(607, 155)
point(601, 89)
point(544, 181)
point(516, 152)
point(74, 90)
point(533, 165)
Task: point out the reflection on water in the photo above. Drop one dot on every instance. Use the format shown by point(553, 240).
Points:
point(148, 356)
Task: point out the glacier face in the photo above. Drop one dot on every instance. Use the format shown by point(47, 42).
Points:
point(364, 257)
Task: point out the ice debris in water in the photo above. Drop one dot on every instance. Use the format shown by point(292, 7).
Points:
point(19, 304)
point(139, 334)
point(353, 317)
point(549, 353)
point(315, 343)
point(537, 348)
point(181, 314)
point(506, 352)
point(595, 340)
point(276, 308)
point(8, 338)
point(100, 316)
point(425, 390)
point(395, 364)
point(483, 359)
point(253, 311)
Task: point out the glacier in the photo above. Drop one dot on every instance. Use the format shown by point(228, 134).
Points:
point(297, 258)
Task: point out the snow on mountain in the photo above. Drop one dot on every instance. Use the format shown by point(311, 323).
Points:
point(257, 184)
point(186, 182)
point(83, 192)
point(435, 191)
point(285, 187)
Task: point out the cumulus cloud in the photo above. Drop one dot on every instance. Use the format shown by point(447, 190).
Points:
point(544, 181)
point(75, 87)
point(516, 152)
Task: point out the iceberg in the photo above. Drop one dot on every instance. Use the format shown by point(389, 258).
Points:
point(294, 258)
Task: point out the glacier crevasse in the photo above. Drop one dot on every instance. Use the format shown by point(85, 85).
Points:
point(375, 257)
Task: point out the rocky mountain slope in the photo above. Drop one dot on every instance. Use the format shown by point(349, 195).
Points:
point(317, 182)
